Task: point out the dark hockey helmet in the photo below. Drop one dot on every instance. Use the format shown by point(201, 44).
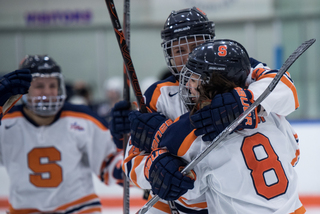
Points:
point(190, 23)
point(42, 66)
point(227, 57)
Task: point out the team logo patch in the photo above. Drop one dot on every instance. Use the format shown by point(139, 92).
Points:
point(75, 126)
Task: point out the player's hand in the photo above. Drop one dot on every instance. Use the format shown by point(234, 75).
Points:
point(120, 124)
point(147, 129)
point(163, 171)
point(211, 120)
point(13, 83)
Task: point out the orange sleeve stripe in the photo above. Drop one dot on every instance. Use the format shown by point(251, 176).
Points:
point(300, 210)
point(83, 115)
point(164, 207)
point(294, 160)
point(178, 118)
point(287, 83)
point(62, 208)
point(79, 201)
point(257, 72)
point(22, 211)
point(91, 210)
point(202, 205)
point(157, 93)
point(187, 142)
point(133, 174)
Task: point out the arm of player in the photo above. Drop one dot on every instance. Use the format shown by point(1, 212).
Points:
point(283, 100)
point(104, 158)
point(111, 169)
point(133, 166)
point(178, 139)
point(147, 131)
point(12, 86)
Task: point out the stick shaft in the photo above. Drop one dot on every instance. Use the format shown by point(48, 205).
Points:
point(125, 54)
point(126, 96)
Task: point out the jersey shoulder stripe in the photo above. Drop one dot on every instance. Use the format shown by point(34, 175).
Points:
point(81, 111)
point(153, 92)
point(14, 112)
point(287, 81)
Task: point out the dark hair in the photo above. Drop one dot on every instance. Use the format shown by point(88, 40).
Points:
point(217, 84)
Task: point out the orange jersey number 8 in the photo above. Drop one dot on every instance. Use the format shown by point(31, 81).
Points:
point(261, 165)
point(42, 161)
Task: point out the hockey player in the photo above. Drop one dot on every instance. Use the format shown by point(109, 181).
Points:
point(183, 31)
point(251, 171)
point(51, 148)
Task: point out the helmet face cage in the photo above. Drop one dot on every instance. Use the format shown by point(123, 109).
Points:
point(46, 105)
point(181, 30)
point(186, 76)
point(42, 66)
point(178, 49)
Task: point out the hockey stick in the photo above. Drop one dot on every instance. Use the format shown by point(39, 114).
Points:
point(129, 66)
point(217, 141)
point(126, 96)
point(125, 55)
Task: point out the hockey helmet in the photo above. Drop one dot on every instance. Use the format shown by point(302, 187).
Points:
point(42, 66)
point(184, 28)
point(227, 57)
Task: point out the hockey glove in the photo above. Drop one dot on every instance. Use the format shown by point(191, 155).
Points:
point(147, 129)
point(211, 120)
point(120, 124)
point(162, 170)
point(14, 83)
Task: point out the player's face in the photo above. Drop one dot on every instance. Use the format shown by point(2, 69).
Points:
point(44, 87)
point(182, 48)
point(193, 85)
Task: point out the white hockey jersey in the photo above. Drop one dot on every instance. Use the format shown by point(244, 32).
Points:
point(251, 171)
point(163, 97)
point(50, 167)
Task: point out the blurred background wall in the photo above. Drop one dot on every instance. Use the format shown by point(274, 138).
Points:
point(78, 34)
